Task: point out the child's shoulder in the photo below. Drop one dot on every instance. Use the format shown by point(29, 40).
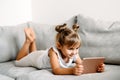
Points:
point(53, 50)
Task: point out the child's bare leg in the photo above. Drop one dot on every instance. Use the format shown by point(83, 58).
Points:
point(33, 44)
point(32, 47)
point(25, 49)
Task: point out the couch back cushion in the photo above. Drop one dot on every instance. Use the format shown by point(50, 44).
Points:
point(100, 38)
point(11, 40)
point(46, 34)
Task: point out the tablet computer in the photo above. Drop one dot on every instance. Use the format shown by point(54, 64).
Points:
point(91, 64)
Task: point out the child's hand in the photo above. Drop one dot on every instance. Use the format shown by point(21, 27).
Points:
point(78, 69)
point(101, 67)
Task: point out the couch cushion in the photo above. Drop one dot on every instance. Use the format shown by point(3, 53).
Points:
point(13, 37)
point(3, 77)
point(45, 33)
point(9, 69)
point(11, 40)
point(111, 73)
point(100, 38)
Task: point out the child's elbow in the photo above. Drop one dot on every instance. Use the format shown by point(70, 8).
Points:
point(56, 71)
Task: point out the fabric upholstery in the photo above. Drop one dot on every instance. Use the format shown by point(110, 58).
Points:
point(2, 77)
point(11, 40)
point(9, 69)
point(100, 38)
point(45, 33)
point(111, 73)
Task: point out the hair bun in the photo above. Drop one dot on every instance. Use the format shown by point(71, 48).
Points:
point(61, 28)
point(75, 27)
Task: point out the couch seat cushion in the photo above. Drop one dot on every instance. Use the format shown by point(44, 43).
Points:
point(3, 77)
point(111, 73)
point(9, 69)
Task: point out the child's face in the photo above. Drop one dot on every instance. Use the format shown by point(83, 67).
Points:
point(70, 51)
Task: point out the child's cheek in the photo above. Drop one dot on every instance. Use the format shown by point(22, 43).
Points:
point(68, 52)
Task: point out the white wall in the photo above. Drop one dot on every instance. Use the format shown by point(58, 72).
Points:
point(57, 11)
point(14, 12)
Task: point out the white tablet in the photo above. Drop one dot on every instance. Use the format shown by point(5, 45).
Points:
point(90, 64)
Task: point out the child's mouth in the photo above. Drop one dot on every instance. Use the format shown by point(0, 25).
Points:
point(70, 56)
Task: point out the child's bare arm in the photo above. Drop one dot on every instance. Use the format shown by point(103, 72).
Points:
point(61, 71)
point(79, 65)
point(78, 60)
point(55, 64)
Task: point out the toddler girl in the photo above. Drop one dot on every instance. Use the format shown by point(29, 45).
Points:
point(63, 58)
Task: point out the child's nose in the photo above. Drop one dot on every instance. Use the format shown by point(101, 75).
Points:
point(74, 52)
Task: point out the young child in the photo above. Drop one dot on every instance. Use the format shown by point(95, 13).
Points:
point(59, 58)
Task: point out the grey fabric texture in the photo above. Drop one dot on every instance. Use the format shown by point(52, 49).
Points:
point(100, 39)
point(9, 69)
point(11, 40)
point(45, 35)
point(29, 73)
point(111, 73)
point(2, 77)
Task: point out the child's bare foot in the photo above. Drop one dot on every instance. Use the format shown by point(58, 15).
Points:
point(28, 34)
point(32, 34)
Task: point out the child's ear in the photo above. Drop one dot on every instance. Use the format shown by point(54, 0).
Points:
point(58, 45)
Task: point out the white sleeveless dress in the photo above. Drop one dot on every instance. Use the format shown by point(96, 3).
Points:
point(40, 60)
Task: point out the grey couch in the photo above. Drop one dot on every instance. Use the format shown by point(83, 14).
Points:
point(99, 38)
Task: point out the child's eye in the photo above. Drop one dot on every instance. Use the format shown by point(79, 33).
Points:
point(77, 48)
point(73, 48)
point(70, 48)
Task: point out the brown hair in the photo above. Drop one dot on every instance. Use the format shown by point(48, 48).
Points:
point(67, 36)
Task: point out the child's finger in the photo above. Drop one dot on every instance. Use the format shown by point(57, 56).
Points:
point(100, 70)
point(101, 67)
point(79, 66)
